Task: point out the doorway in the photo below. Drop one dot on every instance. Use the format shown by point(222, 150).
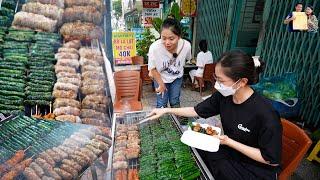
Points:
point(247, 25)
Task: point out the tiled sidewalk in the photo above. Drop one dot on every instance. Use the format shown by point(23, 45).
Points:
point(187, 98)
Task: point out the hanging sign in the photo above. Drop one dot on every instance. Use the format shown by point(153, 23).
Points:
point(147, 22)
point(124, 47)
point(150, 3)
point(151, 12)
point(188, 8)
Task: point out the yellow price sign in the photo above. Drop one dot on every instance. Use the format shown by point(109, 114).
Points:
point(124, 47)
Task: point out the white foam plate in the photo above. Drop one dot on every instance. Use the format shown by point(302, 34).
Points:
point(200, 140)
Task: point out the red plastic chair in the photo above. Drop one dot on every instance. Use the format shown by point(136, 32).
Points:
point(295, 144)
point(207, 77)
point(127, 89)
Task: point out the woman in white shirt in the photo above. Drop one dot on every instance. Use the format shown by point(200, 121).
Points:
point(167, 57)
point(204, 57)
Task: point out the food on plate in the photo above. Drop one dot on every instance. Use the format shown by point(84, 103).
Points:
point(208, 130)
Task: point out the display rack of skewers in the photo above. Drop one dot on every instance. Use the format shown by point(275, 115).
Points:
point(36, 149)
point(95, 101)
point(80, 91)
point(152, 150)
point(41, 76)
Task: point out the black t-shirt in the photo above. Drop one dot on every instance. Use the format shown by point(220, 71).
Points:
point(254, 123)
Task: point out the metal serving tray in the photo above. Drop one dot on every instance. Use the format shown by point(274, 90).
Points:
point(136, 117)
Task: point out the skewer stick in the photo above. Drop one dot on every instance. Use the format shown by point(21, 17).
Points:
point(17, 5)
point(50, 106)
point(36, 109)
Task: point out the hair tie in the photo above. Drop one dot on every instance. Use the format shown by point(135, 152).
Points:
point(256, 61)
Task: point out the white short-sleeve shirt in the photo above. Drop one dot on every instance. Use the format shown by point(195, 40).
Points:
point(202, 60)
point(159, 57)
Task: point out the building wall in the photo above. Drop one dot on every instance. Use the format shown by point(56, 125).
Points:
point(282, 51)
point(214, 24)
point(293, 52)
point(249, 26)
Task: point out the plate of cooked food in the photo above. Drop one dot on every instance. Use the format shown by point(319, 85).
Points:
point(202, 136)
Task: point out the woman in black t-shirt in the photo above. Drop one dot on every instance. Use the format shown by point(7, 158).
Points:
point(251, 145)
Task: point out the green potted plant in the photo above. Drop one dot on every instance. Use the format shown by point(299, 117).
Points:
point(144, 44)
point(174, 12)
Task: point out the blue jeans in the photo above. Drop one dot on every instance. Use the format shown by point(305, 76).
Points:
point(172, 94)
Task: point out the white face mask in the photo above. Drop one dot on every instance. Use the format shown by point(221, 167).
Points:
point(225, 90)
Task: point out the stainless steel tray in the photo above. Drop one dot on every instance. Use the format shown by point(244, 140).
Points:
point(135, 117)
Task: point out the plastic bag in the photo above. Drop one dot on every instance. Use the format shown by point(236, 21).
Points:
point(282, 91)
point(278, 88)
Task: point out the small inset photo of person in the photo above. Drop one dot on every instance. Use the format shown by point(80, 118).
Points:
point(291, 17)
point(313, 25)
point(302, 21)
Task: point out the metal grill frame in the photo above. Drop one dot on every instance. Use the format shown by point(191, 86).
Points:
point(138, 116)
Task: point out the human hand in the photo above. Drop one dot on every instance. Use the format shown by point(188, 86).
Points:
point(161, 89)
point(156, 113)
point(224, 139)
point(293, 18)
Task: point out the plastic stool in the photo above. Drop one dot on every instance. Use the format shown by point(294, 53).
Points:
point(314, 152)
